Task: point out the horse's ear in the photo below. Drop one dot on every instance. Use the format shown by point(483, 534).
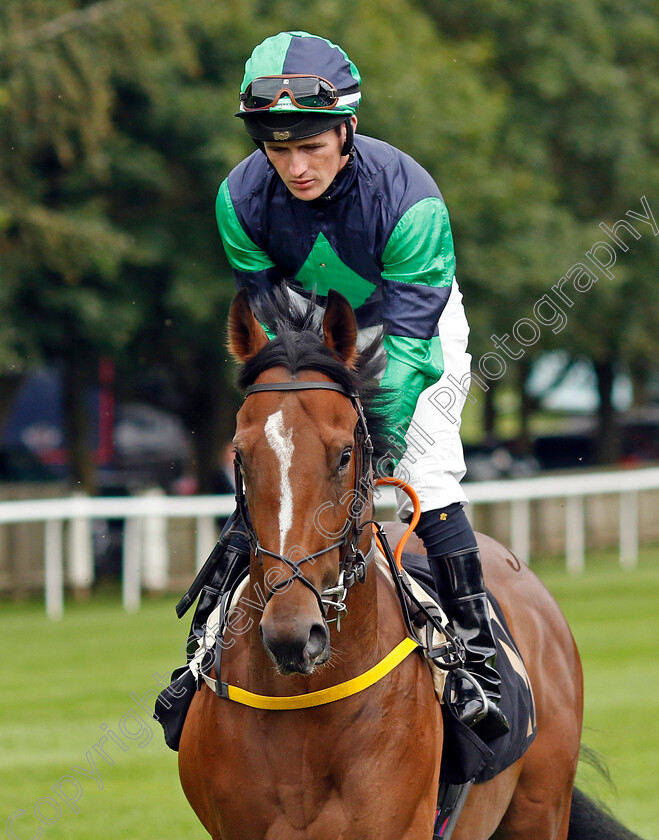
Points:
point(246, 335)
point(340, 328)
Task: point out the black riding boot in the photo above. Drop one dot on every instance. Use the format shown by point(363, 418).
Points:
point(459, 580)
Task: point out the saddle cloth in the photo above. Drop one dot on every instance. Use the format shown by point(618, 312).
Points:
point(465, 756)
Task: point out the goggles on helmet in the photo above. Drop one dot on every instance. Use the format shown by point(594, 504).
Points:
point(305, 92)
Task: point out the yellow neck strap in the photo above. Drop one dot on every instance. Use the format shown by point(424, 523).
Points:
point(325, 695)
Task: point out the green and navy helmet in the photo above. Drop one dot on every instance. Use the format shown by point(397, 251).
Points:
point(297, 85)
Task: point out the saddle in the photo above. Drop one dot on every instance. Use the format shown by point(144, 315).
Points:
point(465, 756)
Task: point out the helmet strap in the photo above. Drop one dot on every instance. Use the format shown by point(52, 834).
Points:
point(349, 144)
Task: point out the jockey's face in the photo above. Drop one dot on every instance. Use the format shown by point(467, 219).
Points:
point(309, 166)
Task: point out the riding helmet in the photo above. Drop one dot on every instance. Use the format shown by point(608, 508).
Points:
point(290, 59)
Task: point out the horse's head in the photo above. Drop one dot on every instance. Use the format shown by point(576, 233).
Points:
point(302, 445)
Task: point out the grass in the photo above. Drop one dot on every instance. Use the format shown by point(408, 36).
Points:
point(614, 618)
point(66, 684)
point(62, 683)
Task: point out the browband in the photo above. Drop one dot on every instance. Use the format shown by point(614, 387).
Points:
point(298, 386)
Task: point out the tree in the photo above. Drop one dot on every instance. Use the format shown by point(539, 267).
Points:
point(580, 125)
point(76, 172)
point(116, 250)
point(116, 130)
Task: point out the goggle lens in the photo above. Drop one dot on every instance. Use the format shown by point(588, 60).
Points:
point(303, 91)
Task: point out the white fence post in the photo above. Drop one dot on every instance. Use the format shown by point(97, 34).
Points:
point(131, 585)
point(154, 548)
point(80, 550)
point(629, 529)
point(205, 540)
point(520, 529)
point(54, 573)
point(575, 537)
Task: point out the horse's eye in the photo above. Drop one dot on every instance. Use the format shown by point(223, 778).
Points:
point(344, 461)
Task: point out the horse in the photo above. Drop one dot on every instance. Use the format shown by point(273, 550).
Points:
point(366, 766)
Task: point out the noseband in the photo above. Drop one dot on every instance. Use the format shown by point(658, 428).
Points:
point(353, 562)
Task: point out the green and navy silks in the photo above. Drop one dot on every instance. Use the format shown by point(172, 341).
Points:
point(412, 366)
point(300, 53)
point(380, 236)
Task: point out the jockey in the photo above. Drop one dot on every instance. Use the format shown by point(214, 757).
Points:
point(317, 207)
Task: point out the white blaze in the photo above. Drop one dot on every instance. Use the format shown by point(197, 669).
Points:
point(281, 441)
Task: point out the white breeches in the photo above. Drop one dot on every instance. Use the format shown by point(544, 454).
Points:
point(434, 461)
point(433, 464)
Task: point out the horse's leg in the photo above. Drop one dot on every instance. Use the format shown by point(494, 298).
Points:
point(530, 799)
point(540, 806)
point(540, 803)
point(537, 811)
point(485, 805)
point(192, 775)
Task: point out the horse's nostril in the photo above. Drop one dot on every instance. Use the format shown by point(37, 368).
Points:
point(317, 641)
point(296, 649)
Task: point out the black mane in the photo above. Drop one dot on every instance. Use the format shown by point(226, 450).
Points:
point(298, 346)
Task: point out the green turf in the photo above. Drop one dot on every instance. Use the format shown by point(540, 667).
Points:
point(64, 681)
point(614, 617)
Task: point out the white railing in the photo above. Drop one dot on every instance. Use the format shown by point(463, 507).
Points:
point(575, 489)
point(145, 550)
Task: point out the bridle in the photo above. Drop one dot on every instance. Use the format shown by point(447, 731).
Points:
point(353, 562)
point(352, 568)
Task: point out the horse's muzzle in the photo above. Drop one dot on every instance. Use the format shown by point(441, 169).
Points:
point(296, 650)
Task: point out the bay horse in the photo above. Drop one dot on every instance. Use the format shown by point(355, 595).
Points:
point(365, 767)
